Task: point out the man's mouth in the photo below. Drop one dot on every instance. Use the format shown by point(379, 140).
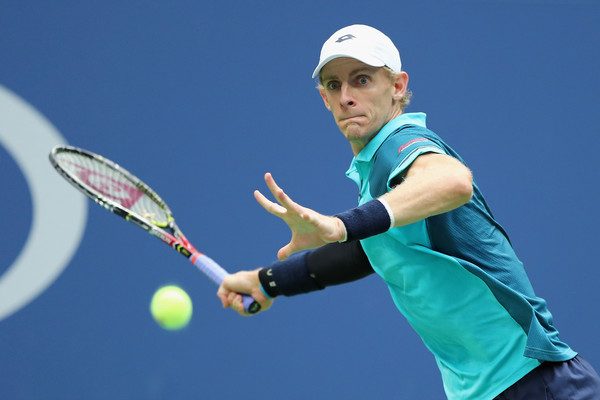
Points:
point(350, 118)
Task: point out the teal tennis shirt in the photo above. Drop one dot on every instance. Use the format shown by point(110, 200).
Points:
point(455, 276)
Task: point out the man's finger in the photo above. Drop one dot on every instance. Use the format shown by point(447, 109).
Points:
point(275, 189)
point(222, 295)
point(268, 205)
point(282, 254)
point(279, 193)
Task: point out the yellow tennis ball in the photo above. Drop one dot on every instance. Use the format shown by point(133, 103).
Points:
point(171, 307)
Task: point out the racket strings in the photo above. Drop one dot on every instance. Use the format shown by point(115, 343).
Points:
point(111, 182)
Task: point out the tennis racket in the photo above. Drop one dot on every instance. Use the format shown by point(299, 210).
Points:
point(120, 192)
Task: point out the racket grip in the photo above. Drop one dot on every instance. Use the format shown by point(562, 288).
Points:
point(216, 273)
point(251, 306)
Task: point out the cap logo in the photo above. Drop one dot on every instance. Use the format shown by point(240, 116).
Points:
point(345, 37)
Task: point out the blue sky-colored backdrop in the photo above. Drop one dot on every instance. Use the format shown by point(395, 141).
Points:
point(200, 99)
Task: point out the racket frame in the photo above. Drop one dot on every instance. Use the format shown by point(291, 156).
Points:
point(175, 238)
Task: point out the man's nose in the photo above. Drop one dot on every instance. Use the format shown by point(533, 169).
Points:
point(347, 97)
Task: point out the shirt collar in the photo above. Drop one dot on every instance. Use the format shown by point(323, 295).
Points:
point(367, 153)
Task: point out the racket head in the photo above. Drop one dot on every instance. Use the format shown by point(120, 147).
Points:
point(111, 186)
point(122, 193)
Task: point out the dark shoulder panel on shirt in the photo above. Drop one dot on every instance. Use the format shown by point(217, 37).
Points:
point(394, 150)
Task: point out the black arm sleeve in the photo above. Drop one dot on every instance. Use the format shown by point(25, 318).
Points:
point(332, 264)
point(338, 263)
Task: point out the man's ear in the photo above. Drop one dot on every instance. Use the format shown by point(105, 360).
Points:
point(400, 85)
point(322, 92)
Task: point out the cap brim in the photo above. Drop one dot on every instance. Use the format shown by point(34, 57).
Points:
point(369, 60)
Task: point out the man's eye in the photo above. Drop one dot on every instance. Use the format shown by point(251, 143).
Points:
point(333, 85)
point(363, 80)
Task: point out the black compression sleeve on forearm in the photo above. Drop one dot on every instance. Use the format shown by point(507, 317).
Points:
point(289, 277)
point(338, 263)
point(332, 264)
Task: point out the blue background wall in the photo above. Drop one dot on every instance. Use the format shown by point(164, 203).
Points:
point(200, 99)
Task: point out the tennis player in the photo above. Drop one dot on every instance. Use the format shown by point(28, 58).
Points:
point(423, 226)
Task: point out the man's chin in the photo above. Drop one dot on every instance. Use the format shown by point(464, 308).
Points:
point(353, 129)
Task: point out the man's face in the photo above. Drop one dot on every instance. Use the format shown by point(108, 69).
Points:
point(361, 98)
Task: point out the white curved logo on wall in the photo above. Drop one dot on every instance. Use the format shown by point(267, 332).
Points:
point(59, 213)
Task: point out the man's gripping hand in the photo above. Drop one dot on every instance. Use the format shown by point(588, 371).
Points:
point(246, 282)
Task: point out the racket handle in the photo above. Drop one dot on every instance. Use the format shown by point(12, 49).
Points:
point(216, 273)
point(251, 306)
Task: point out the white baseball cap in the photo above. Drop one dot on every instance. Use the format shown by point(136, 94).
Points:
point(363, 43)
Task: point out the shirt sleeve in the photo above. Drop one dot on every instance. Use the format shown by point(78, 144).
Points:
point(397, 153)
point(409, 151)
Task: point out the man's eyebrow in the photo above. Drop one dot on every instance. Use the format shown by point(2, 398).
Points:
point(354, 72)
